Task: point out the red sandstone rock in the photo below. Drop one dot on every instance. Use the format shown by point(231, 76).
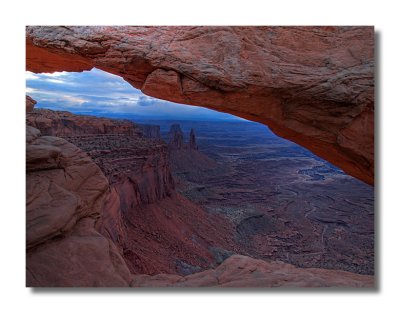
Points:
point(30, 104)
point(63, 123)
point(83, 258)
point(312, 85)
point(65, 194)
point(242, 271)
point(154, 229)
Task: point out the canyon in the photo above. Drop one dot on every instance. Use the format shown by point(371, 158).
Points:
point(312, 85)
point(284, 203)
point(116, 203)
point(137, 228)
point(152, 226)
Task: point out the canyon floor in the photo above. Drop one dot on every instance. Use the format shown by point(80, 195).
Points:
point(284, 202)
point(188, 203)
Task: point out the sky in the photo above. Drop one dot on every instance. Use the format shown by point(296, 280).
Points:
point(100, 93)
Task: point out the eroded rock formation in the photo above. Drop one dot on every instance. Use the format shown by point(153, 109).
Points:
point(65, 194)
point(312, 85)
point(185, 156)
point(142, 214)
point(85, 230)
point(176, 140)
point(192, 140)
point(63, 123)
point(30, 104)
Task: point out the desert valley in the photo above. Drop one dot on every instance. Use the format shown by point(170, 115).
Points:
point(184, 202)
point(128, 201)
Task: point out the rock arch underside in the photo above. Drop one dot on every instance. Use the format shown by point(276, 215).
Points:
point(84, 212)
point(311, 85)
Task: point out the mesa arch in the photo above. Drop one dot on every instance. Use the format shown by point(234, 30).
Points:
point(311, 85)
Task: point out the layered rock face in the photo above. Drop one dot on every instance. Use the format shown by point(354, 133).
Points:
point(62, 123)
point(137, 168)
point(143, 215)
point(312, 85)
point(65, 194)
point(155, 229)
point(117, 147)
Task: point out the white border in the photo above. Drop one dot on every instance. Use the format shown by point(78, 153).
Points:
point(16, 14)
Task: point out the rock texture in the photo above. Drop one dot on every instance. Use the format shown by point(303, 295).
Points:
point(312, 85)
point(30, 104)
point(155, 229)
point(83, 230)
point(65, 194)
point(242, 271)
point(63, 123)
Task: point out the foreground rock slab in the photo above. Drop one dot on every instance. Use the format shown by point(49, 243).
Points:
point(242, 271)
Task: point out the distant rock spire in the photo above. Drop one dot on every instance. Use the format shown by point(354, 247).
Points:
point(175, 137)
point(192, 140)
point(150, 131)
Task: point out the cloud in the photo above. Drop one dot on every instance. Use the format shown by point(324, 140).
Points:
point(146, 101)
point(74, 100)
point(31, 90)
point(55, 74)
point(101, 93)
point(56, 81)
point(31, 76)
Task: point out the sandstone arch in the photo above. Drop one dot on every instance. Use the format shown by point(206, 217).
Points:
point(311, 85)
